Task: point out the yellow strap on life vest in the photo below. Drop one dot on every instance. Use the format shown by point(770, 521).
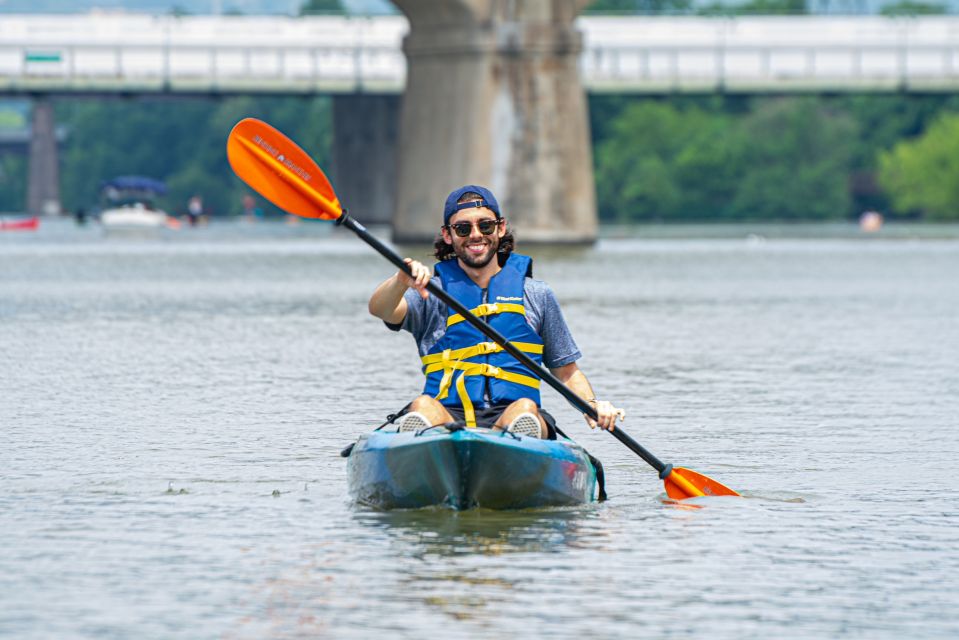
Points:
point(482, 369)
point(488, 310)
point(476, 350)
point(448, 361)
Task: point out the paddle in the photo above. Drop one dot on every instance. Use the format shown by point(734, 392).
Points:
point(280, 171)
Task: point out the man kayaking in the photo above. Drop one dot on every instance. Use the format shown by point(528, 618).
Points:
point(468, 377)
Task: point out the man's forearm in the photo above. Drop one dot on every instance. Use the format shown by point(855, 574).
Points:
point(573, 377)
point(387, 302)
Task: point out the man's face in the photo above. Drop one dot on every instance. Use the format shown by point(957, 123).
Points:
point(476, 250)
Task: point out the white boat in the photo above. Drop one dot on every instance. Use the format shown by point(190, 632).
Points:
point(129, 205)
point(136, 216)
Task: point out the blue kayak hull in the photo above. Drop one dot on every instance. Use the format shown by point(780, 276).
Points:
point(466, 469)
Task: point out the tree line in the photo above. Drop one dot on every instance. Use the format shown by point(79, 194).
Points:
point(723, 158)
point(675, 158)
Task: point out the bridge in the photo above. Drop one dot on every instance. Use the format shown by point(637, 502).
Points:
point(133, 54)
point(503, 79)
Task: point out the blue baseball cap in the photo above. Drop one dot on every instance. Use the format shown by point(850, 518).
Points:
point(488, 201)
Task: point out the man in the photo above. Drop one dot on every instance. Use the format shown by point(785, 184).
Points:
point(469, 377)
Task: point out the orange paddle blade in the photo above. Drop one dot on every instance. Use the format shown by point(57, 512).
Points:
point(685, 483)
point(280, 171)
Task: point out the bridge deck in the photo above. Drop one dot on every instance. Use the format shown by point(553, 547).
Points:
point(96, 54)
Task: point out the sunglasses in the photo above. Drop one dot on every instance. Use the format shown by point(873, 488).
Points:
point(463, 229)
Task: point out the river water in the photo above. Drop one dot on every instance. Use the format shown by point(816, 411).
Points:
point(172, 411)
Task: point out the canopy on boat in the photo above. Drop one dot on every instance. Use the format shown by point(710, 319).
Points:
point(135, 183)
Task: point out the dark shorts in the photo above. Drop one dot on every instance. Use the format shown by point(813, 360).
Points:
point(486, 418)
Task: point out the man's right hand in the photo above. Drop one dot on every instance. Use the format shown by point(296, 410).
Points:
point(420, 278)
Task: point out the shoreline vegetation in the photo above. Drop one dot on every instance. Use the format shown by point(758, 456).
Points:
point(695, 159)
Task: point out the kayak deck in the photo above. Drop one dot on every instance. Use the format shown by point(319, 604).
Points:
point(468, 468)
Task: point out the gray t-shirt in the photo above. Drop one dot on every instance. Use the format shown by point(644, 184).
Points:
point(426, 320)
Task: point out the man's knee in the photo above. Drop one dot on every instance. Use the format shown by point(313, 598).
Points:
point(424, 402)
point(431, 409)
point(525, 405)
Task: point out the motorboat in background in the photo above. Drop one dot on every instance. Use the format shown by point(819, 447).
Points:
point(129, 205)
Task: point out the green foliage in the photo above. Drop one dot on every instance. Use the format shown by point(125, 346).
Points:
point(787, 159)
point(795, 161)
point(645, 7)
point(654, 149)
point(180, 142)
point(327, 7)
point(922, 174)
point(11, 119)
point(678, 158)
point(913, 8)
point(883, 121)
point(13, 182)
point(756, 7)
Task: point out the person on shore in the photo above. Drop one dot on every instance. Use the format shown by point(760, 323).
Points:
point(194, 210)
point(468, 377)
point(251, 212)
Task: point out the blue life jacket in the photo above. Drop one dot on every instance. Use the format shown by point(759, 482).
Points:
point(464, 363)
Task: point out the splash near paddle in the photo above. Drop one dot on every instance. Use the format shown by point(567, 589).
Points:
point(284, 174)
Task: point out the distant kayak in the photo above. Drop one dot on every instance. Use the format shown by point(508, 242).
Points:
point(468, 468)
point(19, 223)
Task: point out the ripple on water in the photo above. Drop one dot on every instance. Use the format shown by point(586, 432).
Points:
point(174, 412)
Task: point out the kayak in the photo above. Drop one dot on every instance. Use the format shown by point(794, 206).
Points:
point(467, 468)
point(19, 223)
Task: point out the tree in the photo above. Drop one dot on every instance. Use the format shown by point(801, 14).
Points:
point(311, 7)
point(756, 7)
point(913, 8)
point(13, 182)
point(660, 162)
point(645, 7)
point(181, 143)
point(795, 164)
point(922, 175)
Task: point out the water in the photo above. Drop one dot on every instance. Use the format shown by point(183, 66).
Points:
point(173, 409)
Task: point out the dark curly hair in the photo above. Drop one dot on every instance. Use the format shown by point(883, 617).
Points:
point(443, 251)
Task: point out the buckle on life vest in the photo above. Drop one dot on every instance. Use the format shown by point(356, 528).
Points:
point(488, 347)
point(490, 370)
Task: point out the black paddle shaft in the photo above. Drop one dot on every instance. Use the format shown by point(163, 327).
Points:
point(544, 373)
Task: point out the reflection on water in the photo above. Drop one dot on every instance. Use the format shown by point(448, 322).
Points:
point(173, 411)
point(484, 531)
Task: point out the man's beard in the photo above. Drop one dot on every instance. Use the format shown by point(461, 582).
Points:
point(477, 261)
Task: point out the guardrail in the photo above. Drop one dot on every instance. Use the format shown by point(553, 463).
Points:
point(195, 68)
point(131, 54)
point(736, 68)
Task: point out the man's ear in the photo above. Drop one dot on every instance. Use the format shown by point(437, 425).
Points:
point(446, 235)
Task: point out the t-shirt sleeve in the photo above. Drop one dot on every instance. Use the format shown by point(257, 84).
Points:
point(421, 315)
point(559, 348)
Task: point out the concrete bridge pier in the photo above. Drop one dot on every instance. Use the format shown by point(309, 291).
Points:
point(494, 97)
point(43, 178)
point(363, 170)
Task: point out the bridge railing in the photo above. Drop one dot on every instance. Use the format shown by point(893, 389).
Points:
point(187, 68)
point(778, 53)
point(76, 54)
point(733, 68)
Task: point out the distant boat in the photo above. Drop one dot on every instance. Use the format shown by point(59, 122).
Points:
point(19, 223)
point(135, 216)
point(130, 205)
